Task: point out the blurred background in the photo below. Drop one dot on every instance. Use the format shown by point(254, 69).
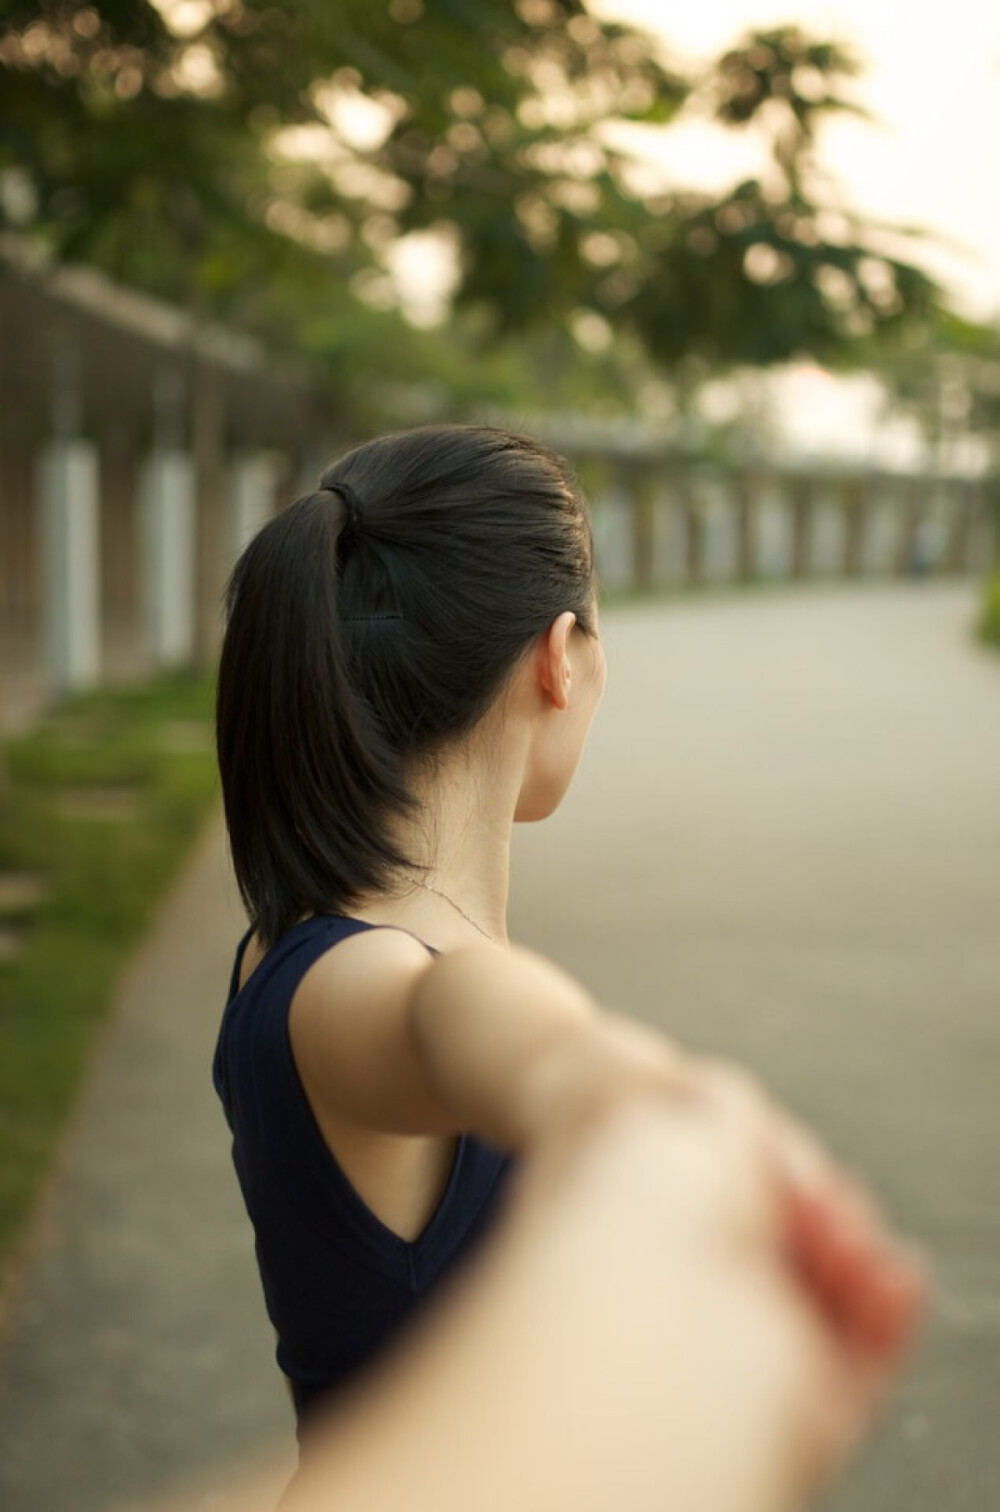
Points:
point(743, 268)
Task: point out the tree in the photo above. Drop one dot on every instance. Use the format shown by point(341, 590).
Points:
point(945, 375)
point(218, 160)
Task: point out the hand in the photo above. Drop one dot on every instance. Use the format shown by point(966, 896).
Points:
point(865, 1289)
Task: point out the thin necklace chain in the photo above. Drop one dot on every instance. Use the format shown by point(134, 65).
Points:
point(429, 887)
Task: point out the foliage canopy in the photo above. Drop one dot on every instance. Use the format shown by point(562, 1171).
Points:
point(262, 158)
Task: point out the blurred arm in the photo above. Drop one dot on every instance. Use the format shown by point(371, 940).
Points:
point(632, 1338)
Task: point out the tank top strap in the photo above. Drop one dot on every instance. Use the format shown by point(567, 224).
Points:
point(299, 948)
point(296, 951)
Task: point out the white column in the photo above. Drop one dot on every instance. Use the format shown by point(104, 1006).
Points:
point(168, 551)
point(882, 524)
point(254, 478)
point(932, 534)
point(69, 489)
point(612, 524)
point(720, 542)
point(773, 557)
point(826, 543)
point(669, 540)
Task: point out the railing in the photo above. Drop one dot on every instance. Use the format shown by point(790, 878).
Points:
point(663, 523)
point(102, 562)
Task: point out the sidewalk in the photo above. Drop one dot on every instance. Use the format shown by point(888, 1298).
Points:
point(136, 1356)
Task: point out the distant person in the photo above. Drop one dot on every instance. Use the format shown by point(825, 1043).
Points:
point(411, 663)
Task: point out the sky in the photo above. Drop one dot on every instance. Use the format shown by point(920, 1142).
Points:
point(931, 80)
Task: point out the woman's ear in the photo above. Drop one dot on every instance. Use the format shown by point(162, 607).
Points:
point(555, 671)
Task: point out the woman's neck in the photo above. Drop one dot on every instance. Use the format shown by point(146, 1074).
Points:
point(459, 841)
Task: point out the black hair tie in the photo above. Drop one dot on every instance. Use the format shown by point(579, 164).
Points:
point(351, 503)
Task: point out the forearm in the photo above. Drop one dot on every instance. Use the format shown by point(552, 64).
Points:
point(514, 1050)
point(512, 1047)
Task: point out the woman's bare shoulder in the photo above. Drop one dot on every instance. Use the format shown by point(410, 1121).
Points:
point(381, 959)
point(351, 1033)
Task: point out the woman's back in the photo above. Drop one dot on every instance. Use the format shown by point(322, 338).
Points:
point(337, 1280)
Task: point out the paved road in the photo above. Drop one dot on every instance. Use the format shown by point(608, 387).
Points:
point(784, 844)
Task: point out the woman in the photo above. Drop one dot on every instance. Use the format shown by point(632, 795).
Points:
point(411, 664)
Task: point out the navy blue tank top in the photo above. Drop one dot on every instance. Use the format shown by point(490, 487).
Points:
point(337, 1282)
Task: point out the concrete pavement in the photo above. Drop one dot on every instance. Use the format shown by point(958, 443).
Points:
point(137, 1357)
point(783, 844)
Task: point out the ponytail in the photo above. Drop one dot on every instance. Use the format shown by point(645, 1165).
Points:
point(307, 780)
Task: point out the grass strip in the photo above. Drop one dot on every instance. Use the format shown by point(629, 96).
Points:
point(989, 619)
point(100, 804)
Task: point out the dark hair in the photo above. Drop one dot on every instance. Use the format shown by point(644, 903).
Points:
point(372, 622)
